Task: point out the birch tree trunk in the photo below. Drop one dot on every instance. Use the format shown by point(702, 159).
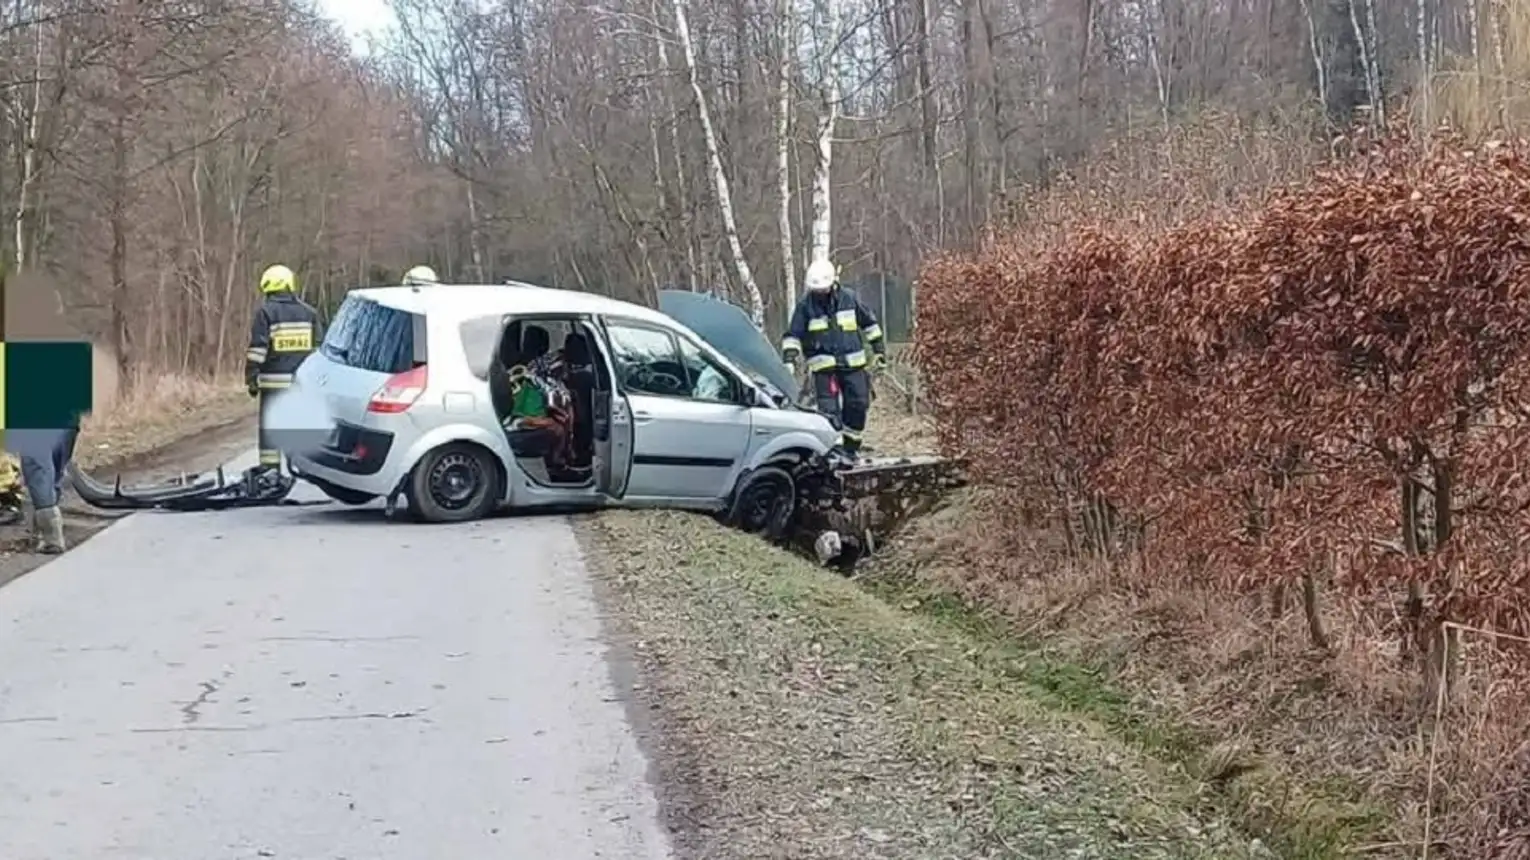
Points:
point(1378, 95)
point(682, 197)
point(1495, 23)
point(1160, 75)
point(785, 28)
point(827, 39)
point(1318, 62)
point(475, 233)
point(719, 175)
point(1365, 39)
point(29, 151)
point(1425, 70)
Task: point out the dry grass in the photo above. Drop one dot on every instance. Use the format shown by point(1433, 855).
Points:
point(801, 716)
point(893, 432)
point(159, 410)
point(1476, 94)
point(1322, 753)
point(1325, 747)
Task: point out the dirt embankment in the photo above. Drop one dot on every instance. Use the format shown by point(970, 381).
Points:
point(799, 714)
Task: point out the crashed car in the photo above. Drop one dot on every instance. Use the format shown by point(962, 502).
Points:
point(416, 396)
point(420, 388)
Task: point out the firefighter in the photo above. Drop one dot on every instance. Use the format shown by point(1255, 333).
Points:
point(832, 328)
point(420, 276)
point(285, 330)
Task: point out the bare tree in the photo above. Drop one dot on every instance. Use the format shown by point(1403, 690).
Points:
point(826, 41)
point(719, 173)
point(786, 44)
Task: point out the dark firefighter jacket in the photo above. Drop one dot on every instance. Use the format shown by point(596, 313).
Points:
point(285, 330)
point(828, 328)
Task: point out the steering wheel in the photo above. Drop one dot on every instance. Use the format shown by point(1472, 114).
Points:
point(645, 377)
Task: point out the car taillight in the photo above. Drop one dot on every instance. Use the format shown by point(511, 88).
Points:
point(399, 392)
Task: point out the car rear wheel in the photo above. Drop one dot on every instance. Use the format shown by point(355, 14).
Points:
point(764, 503)
point(452, 484)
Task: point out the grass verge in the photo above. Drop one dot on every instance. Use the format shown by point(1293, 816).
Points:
point(1297, 821)
point(802, 716)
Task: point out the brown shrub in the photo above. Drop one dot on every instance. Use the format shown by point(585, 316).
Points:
point(1328, 384)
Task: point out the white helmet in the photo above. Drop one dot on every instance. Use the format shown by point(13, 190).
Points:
point(420, 276)
point(821, 275)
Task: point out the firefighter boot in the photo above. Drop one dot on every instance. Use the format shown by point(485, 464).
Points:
point(48, 530)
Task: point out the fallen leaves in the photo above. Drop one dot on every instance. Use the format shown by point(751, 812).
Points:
point(1251, 389)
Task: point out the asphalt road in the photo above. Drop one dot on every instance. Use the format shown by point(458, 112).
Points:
point(315, 683)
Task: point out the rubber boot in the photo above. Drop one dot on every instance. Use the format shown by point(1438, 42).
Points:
point(48, 526)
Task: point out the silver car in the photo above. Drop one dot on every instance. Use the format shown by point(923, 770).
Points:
point(415, 382)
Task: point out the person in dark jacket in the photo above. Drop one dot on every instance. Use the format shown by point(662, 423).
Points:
point(44, 407)
point(832, 328)
point(283, 333)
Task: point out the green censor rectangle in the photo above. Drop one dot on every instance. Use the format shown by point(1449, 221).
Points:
point(47, 384)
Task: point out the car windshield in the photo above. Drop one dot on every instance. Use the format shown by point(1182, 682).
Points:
point(727, 328)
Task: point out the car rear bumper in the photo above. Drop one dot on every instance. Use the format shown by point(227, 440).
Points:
point(355, 450)
point(354, 457)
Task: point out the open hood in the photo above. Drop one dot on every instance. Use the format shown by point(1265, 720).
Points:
point(727, 328)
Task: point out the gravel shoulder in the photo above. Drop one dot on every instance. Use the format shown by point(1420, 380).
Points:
point(793, 714)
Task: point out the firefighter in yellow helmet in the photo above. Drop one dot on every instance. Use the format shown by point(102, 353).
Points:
point(285, 330)
point(420, 276)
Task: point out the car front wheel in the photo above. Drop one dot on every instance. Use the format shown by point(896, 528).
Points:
point(764, 503)
point(452, 484)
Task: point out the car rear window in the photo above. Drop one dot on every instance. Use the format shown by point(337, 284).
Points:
point(372, 336)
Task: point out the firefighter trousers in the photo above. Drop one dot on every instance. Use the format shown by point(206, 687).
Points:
point(270, 454)
point(844, 396)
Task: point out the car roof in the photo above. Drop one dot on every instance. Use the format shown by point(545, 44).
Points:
point(464, 301)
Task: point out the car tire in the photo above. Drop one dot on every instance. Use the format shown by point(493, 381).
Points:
point(453, 484)
point(764, 503)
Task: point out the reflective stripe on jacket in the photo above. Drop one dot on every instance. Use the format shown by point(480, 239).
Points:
point(833, 330)
point(285, 330)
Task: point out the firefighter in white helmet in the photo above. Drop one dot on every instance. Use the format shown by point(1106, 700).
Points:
point(420, 276)
point(832, 329)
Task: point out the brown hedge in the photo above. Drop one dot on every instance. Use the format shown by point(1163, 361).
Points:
point(1249, 395)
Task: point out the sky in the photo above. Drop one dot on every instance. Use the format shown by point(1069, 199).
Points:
point(359, 18)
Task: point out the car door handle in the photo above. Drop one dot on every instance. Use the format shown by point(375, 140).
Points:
point(641, 417)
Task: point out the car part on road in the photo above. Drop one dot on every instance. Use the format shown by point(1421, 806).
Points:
point(255, 487)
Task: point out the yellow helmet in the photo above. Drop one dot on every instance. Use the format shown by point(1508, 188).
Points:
point(420, 276)
point(277, 279)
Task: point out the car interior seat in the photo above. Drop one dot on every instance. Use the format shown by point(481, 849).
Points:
point(535, 342)
point(505, 354)
point(581, 377)
point(532, 344)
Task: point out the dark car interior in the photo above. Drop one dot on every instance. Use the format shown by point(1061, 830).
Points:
point(586, 378)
